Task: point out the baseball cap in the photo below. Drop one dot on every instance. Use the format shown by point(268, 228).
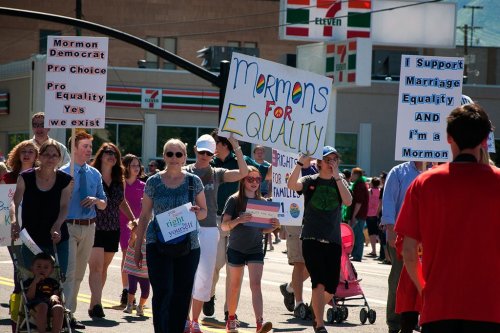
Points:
point(327, 150)
point(205, 143)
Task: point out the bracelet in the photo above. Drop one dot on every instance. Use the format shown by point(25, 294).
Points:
point(300, 163)
point(238, 148)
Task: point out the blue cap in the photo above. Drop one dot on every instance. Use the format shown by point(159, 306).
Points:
point(327, 150)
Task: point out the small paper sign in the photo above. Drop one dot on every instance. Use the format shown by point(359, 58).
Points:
point(6, 196)
point(262, 213)
point(28, 241)
point(177, 222)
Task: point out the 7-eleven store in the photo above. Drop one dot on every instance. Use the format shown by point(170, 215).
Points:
point(144, 107)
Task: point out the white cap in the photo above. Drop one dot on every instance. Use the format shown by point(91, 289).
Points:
point(205, 143)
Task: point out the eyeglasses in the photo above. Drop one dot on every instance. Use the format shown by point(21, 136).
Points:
point(50, 156)
point(37, 125)
point(253, 179)
point(204, 152)
point(177, 154)
point(110, 152)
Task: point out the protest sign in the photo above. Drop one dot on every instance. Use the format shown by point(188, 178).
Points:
point(429, 89)
point(275, 105)
point(75, 84)
point(291, 204)
point(491, 143)
point(177, 222)
point(29, 242)
point(262, 213)
point(6, 196)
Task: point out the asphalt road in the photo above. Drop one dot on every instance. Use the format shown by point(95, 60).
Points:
point(276, 271)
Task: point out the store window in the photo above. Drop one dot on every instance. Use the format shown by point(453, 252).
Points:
point(347, 146)
point(128, 137)
point(188, 135)
point(14, 138)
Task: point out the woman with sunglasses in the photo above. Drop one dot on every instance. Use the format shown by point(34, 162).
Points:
point(245, 248)
point(171, 278)
point(209, 233)
point(107, 234)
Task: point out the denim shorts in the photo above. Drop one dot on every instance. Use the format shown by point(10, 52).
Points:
point(238, 259)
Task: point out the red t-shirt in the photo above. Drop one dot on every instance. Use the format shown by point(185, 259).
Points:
point(454, 211)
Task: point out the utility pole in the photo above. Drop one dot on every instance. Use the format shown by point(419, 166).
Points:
point(465, 29)
point(472, 27)
point(78, 15)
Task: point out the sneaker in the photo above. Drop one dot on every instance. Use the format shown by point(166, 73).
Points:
point(226, 316)
point(209, 307)
point(187, 327)
point(263, 327)
point(301, 307)
point(195, 327)
point(128, 308)
point(277, 240)
point(124, 297)
point(288, 297)
point(320, 329)
point(232, 325)
point(140, 310)
point(97, 311)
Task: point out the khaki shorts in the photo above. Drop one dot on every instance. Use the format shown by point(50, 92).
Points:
point(294, 245)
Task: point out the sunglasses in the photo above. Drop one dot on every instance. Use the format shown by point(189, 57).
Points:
point(171, 154)
point(110, 152)
point(253, 179)
point(37, 125)
point(204, 152)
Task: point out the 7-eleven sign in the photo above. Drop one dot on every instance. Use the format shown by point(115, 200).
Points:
point(151, 99)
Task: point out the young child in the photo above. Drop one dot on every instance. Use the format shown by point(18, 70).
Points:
point(136, 275)
point(43, 294)
point(245, 248)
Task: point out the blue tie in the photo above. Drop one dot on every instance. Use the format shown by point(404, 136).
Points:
point(83, 188)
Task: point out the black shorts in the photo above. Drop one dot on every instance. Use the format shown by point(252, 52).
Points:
point(323, 263)
point(238, 259)
point(109, 240)
point(372, 224)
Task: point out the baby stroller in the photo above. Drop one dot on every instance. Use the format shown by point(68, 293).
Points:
point(25, 322)
point(349, 288)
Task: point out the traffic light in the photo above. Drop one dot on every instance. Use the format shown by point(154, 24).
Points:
point(206, 53)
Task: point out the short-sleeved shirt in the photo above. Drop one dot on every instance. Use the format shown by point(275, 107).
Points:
point(166, 198)
point(373, 201)
point(10, 177)
point(453, 210)
point(109, 219)
point(44, 289)
point(242, 238)
point(41, 208)
point(360, 196)
point(322, 213)
point(211, 178)
point(94, 189)
point(227, 189)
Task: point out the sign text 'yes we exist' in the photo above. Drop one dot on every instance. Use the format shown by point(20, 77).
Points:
point(280, 109)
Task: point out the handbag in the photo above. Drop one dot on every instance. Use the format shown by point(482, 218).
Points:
point(179, 246)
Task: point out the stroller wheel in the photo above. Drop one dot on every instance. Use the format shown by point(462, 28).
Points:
point(330, 315)
point(372, 316)
point(339, 315)
point(345, 312)
point(363, 316)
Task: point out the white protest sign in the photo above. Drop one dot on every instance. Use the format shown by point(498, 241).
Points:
point(275, 105)
point(177, 222)
point(491, 143)
point(75, 86)
point(29, 242)
point(291, 204)
point(429, 89)
point(6, 196)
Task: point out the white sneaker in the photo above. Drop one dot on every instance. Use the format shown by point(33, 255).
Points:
point(128, 308)
point(140, 310)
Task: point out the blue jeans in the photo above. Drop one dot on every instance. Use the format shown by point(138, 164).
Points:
point(172, 281)
point(62, 255)
point(359, 240)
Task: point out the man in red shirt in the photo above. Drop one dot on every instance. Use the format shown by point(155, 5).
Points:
point(453, 211)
